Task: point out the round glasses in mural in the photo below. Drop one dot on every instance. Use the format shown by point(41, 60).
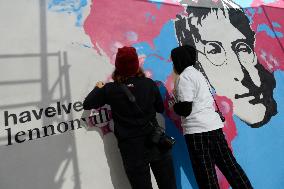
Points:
point(217, 55)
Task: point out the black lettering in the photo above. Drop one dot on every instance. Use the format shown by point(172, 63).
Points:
point(78, 106)
point(93, 119)
point(67, 110)
point(107, 115)
point(45, 130)
point(6, 117)
point(65, 127)
point(104, 115)
point(26, 116)
point(31, 133)
point(50, 112)
point(84, 119)
point(21, 133)
point(37, 116)
point(101, 115)
point(58, 108)
point(78, 123)
point(9, 136)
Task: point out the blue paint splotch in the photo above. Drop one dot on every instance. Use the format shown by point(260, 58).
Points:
point(157, 3)
point(250, 12)
point(157, 57)
point(150, 17)
point(271, 32)
point(243, 3)
point(248, 3)
point(260, 151)
point(69, 6)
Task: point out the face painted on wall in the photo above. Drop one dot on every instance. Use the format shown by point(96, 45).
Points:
point(226, 57)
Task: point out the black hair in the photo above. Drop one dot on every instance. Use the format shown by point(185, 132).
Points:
point(187, 35)
point(182, 57)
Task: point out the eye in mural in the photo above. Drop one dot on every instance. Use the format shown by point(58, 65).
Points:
point(229, 61)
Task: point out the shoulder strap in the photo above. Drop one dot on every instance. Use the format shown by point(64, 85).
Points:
point(209, 87)
point(132, 99)
point(199, 65)
point(130, 96)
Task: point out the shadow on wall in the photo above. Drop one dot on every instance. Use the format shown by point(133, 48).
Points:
point(114, 160)
point(112, 153)
point(44, 163)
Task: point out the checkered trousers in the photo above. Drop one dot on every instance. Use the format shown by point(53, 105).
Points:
point(208, 149)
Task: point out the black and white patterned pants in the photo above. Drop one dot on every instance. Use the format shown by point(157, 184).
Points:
point(208, 149)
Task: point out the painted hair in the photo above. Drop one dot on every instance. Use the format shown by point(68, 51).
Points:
point(187, 32)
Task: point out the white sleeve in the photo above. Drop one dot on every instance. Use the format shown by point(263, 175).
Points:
point(185, 89)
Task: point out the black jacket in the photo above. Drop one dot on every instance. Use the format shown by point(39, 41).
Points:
point(129, 122)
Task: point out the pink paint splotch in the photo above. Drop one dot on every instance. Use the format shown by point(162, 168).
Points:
point(226, 107)
point(169, 101)
point(276, 3)
point(269, 48)
point(112, 24)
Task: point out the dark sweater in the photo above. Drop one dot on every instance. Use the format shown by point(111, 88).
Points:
point(183, 108)
point(129, 122)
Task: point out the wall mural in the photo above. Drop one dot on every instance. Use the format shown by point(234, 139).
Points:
point(240, 52)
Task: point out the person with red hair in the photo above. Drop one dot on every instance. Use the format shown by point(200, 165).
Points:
point(131, 124)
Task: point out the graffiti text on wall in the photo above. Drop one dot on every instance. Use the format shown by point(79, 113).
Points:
point(14, 121)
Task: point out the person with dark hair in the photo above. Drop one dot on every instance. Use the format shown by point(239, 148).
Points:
point(221, 33)
point(131, 125)
point(202, 126)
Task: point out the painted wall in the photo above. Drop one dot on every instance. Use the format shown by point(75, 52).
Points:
point(52, 52)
